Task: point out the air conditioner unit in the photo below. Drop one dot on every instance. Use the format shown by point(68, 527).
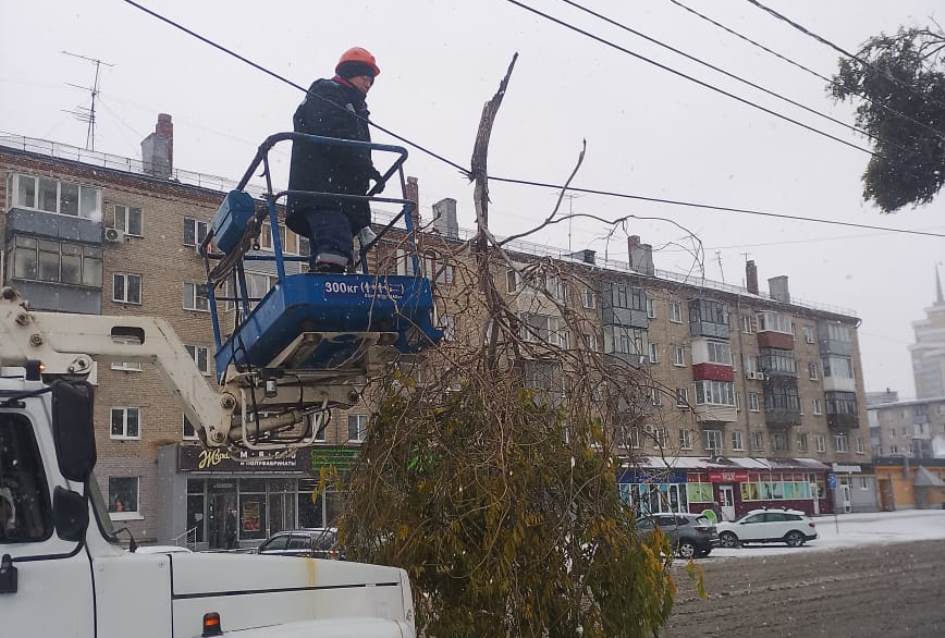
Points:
point(114, 235)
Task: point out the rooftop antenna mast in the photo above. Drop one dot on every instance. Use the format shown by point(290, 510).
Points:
point(718, 257)
point(82, 113)
point(571, 197)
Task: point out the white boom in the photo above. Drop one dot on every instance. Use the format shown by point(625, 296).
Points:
point(65, 344)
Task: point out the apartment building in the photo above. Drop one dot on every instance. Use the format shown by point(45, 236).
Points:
point(757, 397)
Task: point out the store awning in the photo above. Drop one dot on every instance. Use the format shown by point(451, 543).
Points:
point(925, 478)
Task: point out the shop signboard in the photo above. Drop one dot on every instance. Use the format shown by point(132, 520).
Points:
point(195, 458)
point(728, 476)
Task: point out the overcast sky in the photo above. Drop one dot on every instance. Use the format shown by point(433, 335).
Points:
point(648, 132)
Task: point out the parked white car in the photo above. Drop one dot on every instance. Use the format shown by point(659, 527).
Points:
point(768, 526)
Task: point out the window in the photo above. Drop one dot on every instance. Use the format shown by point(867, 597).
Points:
point(123, 497)
point(675, 312)
point(195, 232)
point(775, 361)
point(801, 442)
point(715, 393)
point(720, 353)
point(812, 370)
point(556, 288)
point(859, 445)
point(863, 482)
point(195, 297)
point(682, 397)
point(189, 432)
point(654, 353)
point(52, 196)
point(24, 496)
point(839, 332)
point(512, 280)
point(737, 443)
point(757, 440)
point(631, 437)
point(779, 441)
point(841, 367)
point(57, 262)
point(621, 340)
point(265, 238)
point(545, 328)
point(841, 403)
point(589, 299)
point(841, 442)
point(657, 435)
point(808, 334)
point(753, 403)
point(818, 407)
point(821, 443)
point(126, 288)
point(685, 439)
point(405, 266)
point(128, 220)
point(357, 427)
point(126, 423)
point(650, 309)
point(656, 396)
point(769, 321)
point(748, 324)
point(782, 397)
point(201, 356)
point(712, 439)
point(447, 324)
point(679, 355)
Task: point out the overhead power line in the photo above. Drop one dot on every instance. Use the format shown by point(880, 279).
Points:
point(286, 80)
point(809, 70)
point(685, 76)
point(844, 52)
point(523, 182)
point(718, 69)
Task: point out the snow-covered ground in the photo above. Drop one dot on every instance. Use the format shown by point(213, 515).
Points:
point(855, 530)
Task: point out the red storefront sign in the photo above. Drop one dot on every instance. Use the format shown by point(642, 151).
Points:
point(726, 476)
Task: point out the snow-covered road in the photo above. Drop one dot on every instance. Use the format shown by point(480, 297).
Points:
point(855, 530)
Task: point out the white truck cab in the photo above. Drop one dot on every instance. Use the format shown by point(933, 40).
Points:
point(63, 572)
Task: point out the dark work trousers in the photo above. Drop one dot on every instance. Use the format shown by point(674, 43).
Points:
point(329, 233)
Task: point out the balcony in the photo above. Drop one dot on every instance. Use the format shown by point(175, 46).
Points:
point(842, 411)
point(708, 319)
point(712, 372)
point(835, 338)
point(839, 384)
point(712, 360)
point(782, 417)
point(625, 317)
point(773, 339)
point(709, 414)
point(777, 363)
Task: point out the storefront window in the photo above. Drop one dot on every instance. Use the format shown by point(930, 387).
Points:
point(699, 492)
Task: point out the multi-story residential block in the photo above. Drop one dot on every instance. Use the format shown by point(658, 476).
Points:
point(928, 351)
point(914, 429)
point(755, 398)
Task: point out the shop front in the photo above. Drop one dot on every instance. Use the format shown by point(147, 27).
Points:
point(654, 491)
point(855, 489)
point(212, 500)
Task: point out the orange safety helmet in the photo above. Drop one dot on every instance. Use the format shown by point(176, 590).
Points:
point(360, 57)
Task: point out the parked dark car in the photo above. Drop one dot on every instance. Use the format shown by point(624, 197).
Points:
point(311, 543)
point(690, 535)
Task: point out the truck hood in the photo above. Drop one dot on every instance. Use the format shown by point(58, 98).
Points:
point(251, 591)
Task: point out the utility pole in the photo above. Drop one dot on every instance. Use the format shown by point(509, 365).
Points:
point(82, 113)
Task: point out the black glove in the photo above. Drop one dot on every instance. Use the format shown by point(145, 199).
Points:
point(379, 181)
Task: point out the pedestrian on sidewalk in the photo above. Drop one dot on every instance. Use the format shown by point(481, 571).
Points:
point(334, 107)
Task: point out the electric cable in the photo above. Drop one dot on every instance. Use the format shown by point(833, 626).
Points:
point(524, 182)
point(809, 70)
point(718, 69)
point(685, 76)
point(844, 52)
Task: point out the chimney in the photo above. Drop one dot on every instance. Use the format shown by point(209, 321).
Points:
point(778, 287)
point(413, 194)
point(751, 276)
point(641, 256)
point(587, 256)
point(444, 218)
point(157, 149)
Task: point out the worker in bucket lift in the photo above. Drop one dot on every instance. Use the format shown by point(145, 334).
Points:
point(334, 108)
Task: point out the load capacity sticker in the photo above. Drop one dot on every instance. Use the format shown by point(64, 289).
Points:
point(368, 289)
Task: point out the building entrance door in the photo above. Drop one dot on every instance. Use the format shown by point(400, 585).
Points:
point(727, 504)
point(222, 519)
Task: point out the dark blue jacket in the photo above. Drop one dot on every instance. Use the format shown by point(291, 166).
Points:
point(331, 169)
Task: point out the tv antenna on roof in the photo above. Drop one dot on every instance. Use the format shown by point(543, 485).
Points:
point(87, 114)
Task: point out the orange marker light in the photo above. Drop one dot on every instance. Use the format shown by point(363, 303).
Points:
point(211, 625)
